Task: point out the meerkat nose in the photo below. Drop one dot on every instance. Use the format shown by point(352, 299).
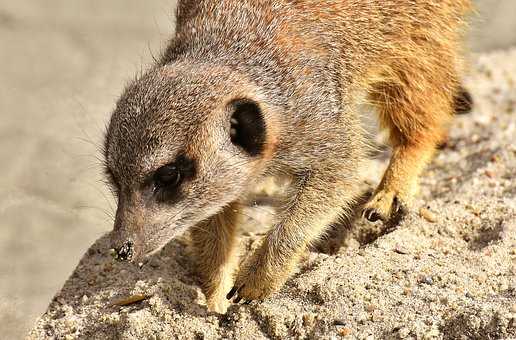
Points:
point(125, 252)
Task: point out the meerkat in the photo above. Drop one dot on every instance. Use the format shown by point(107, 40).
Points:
point(248, 89)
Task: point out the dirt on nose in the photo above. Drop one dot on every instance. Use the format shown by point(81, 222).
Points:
point(125, 252)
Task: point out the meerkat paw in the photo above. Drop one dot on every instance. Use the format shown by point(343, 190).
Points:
point(254, 284)
point(218, 304)
point(386, 205)
point(216, 289)
point(252, 288)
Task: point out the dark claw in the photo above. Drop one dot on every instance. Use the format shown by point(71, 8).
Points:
point(238, 299)
point(372, 215)
point(231, 293)
point(463, 101)
point(400, 211)
point(396, 204)
point(247, 302)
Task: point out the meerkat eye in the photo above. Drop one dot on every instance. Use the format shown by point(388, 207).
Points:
point(247, 128)
point(168, 177)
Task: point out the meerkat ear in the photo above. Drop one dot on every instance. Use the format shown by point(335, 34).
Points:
point(248, 128)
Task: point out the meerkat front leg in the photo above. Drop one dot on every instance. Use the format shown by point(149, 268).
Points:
point(215, 246)
point(318, 200)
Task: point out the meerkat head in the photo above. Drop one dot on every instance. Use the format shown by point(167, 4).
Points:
point(183, 142)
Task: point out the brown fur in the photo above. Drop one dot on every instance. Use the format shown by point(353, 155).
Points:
point(304, 63)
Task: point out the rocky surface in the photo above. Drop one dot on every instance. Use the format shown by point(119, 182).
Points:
point(448, 271)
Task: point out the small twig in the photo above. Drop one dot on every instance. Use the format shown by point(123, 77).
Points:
point(398, 249)
point(131, 300)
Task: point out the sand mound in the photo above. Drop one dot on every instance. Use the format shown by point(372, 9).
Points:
point(448, 271)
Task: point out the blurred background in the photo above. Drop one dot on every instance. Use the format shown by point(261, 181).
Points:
point(63, 64)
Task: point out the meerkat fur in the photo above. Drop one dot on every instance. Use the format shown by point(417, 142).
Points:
point(248, 89)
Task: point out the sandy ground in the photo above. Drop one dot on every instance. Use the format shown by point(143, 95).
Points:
point(448, 271)
point(62, 66)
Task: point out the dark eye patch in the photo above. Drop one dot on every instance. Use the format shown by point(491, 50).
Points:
point(167, 176)
point(168, 179)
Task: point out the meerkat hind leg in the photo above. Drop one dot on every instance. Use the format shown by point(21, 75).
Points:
point(416, 111)
point(399, 184)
